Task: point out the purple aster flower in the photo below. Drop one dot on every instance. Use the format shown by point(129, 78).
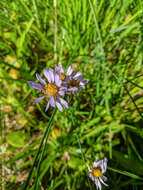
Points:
point(97, 171)
point(73, 81)
point(51, 90)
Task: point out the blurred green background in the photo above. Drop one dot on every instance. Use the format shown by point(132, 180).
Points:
point(104, 40)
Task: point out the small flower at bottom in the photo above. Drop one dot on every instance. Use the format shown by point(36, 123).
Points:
point(51, 90)
point(97, 171)
point(73, 81)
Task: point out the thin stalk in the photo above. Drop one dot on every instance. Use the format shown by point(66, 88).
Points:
point(38, 152)
point(133, 102)
point(83, 157)
point(97, 27)
point(82, 154)
point(114, 74)
point(36, 12)
point(55, 33)
point(2, 178)
point(80, 148)
point(129, 80)
point(101, 52)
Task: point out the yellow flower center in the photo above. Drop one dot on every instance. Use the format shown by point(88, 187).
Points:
point(96, 172)
point(51, 90)
point(73, 83)
point(62, 76)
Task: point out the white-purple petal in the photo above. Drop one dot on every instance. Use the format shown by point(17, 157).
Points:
point(52, 101)
point(91, 177)
point(35, 85)
point(104, 178)
point(40, 79)
point(63, 102)
point(82, 87)
point(83, 82)
point(63, 88)
point(51, 71)
point(58, 80)
point(96, 183)
point(47, 106)
point(102, 181)
point(89, 169)
point(76, 75)
point(59, 106)
point(47, 75)
point(96, 164)
point(69, 71)
point(104, 165)
point(59, 69)
point(73, 89)
point(99, 185)
point(61, 92)
point(38, 99)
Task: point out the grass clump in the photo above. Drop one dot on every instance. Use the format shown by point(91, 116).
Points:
point(103, 39)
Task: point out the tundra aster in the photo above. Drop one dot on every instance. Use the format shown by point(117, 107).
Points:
point(73, 81)
point(51, 90)
point(97, 171)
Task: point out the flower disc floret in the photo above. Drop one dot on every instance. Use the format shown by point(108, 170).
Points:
point(96, 172)
point(51, 90)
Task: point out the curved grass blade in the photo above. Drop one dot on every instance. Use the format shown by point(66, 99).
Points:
point(125, 173)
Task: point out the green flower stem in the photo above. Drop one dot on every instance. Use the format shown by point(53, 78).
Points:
point(83, 158)
point(82, 154)
point(43, 150)
point(46, 134)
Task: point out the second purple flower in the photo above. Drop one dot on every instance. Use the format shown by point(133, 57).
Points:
point(73, 81)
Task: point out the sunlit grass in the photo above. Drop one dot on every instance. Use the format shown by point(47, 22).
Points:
point(103, 39)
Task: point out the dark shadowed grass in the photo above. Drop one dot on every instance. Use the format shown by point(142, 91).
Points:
point(103, 39)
